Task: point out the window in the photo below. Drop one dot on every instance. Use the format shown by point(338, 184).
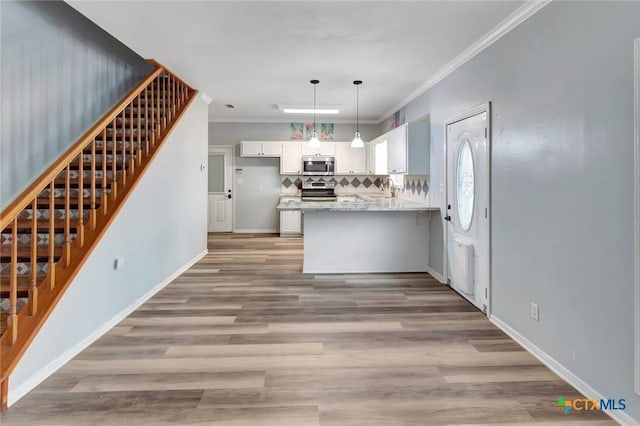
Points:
point(465, 185)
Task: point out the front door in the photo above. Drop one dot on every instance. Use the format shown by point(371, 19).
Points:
point(467, 206)
point(220, 215)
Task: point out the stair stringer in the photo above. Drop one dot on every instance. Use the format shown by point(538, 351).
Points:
point(160, 231)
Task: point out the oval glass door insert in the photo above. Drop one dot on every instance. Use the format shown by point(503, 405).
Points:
point(465, 185)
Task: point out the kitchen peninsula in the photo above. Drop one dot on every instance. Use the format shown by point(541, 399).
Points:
point(365, 235)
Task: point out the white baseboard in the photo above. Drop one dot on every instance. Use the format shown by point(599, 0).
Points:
point(256, 231)
point(435, 274)
point(69, 354)
point(582, 387)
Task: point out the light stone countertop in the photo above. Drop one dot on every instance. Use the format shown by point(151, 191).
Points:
point(363, 203)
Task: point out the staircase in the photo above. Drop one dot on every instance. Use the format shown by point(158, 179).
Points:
point(48, 232)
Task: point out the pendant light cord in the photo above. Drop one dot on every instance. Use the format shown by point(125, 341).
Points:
point(314, 106)
point(357, 107)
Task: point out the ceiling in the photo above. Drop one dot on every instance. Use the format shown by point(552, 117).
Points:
point(256, 55)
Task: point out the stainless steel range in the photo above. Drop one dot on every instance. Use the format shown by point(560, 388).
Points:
point(318, 191)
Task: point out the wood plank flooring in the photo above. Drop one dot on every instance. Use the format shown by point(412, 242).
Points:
point(244, 338)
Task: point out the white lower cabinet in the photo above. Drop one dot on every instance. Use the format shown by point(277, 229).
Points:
point(290, 223)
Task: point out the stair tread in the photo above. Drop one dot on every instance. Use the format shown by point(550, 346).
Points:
point(24, 251)
point(43, 224)
point(24, 283)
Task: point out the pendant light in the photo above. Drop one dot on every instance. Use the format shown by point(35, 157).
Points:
point(357, 141)
point(314, 142)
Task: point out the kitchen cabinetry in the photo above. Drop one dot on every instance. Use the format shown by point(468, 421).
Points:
point(349, 160)
point(408, 149)
point(325, 149)
point(290, 220)
point(291, 160)
point(377, 156)
point(260, 149)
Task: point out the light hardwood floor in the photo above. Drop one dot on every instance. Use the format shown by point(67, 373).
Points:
point(244, 338)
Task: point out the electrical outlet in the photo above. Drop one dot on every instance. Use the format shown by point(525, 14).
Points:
point(535, 314)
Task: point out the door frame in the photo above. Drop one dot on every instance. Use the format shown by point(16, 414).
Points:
point(464, 114)
point(636, 169)
point(222, 149)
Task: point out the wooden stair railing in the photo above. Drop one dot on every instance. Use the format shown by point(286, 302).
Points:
point(48, 232)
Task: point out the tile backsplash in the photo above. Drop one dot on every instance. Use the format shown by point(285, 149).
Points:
point(344, 184)
point(416, 188)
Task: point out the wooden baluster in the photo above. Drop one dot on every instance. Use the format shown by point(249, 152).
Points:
point(33, 289)
point(157, 106)
point(103, 196)
point(172, 104)
point(114, 181)
point(67, 217)
point(139, 150)
point(52, 236)
point(146, 121)
point(123, 149)
point(179, 95)
point(92, 213)
point(152, 125)
point(132, 160)
point(80, 229)
point(164, 102)
point(12, 320)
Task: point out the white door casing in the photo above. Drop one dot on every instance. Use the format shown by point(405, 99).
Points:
point(636, 167)
point(220, 187)
point(467, 247)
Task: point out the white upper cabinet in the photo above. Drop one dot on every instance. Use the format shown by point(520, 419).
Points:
point(260, 149)
point(326, 149)
point(397, 150)
point(408, 149)
point(291, 160)
point(350, 161)
point(377, 156)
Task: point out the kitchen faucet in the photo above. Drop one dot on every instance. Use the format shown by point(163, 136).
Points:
point(392, 189)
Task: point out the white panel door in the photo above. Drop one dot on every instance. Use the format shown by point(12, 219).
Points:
point(467, 207)
point(220, 214)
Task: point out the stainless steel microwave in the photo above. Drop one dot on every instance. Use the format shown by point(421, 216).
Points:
point(318, 166)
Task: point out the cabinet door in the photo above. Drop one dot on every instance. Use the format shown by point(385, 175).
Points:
point(380, 157)
point(250, 149)
point(290, 162)
point(271, 149)
point(358, 161)
point(397, 150)
point(343, 158)
point(327, 148)
point(290, 222)
point(307, 151)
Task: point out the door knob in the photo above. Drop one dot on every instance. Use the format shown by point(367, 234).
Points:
point(447, 218)
point(229, 196)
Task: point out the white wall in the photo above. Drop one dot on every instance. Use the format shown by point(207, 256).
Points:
point(561, 87)
point(257, 196)
point(59, 74)
point(161, 228)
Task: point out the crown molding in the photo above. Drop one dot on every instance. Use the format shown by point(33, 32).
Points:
point(518, 16)
point(285, 120)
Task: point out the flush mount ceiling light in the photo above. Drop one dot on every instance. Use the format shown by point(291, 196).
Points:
point(309, 111)
point(314, 142)
point(357, 140)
